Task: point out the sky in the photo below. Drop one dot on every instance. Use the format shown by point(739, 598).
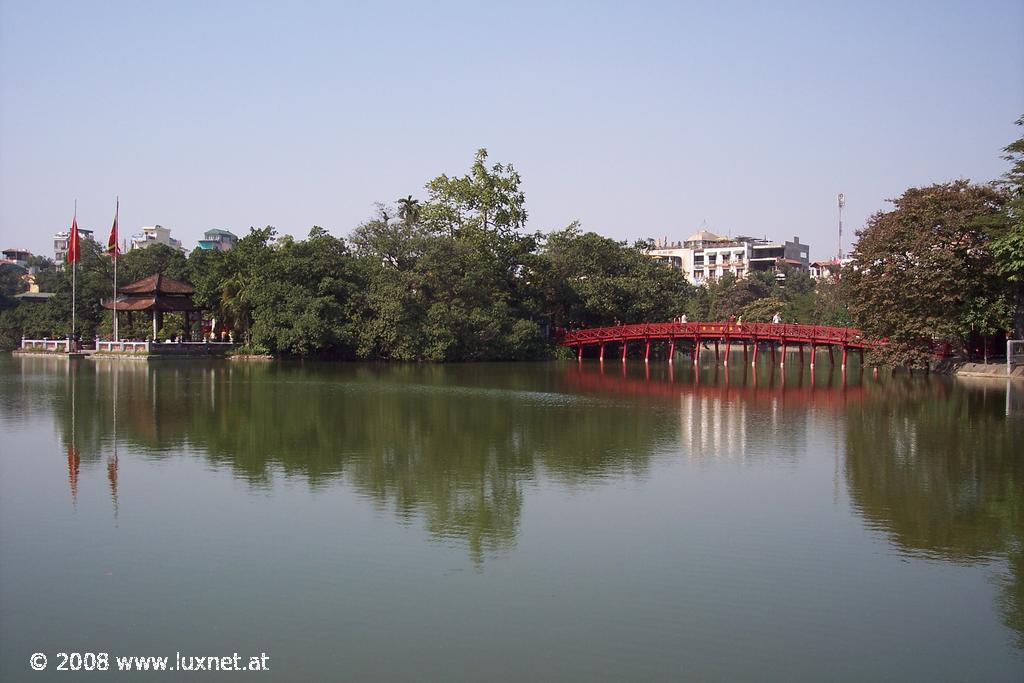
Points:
point(639, 119)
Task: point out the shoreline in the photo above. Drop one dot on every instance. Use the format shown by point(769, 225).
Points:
point(990, 371)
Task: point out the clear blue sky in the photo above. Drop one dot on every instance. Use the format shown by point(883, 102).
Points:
point(640, 119)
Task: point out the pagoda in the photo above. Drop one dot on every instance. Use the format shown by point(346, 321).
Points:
point(158, 294)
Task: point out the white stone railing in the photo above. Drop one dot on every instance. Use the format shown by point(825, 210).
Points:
point(187, 348)
point(122, 346)
point(50, 345)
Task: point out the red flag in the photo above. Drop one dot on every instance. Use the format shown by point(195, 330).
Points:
point(74, 253)
point(112, 240)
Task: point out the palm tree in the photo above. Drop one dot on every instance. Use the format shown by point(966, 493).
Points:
point(409, 209)
point(234, 309)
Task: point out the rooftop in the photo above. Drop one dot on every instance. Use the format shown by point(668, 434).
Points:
point(158, 284)
point(705, 236)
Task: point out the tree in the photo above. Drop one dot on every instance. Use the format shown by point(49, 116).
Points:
point(1009, 246)
point(409, 210)
point(926, 268)
point(485, 198)
point(11, 280)
point(596, 281)
point(297, 297)
point(140, 263)
point(763, 310)
point(831, 299)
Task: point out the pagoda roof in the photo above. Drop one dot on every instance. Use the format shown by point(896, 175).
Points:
point(151, 303)
point(158, 284)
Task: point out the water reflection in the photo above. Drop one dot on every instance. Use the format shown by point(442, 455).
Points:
point(454, 445)
point(934, 464)
point(937, 465)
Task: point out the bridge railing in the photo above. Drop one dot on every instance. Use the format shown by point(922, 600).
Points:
point(795, 332)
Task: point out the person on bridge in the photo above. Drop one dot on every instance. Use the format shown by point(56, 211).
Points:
point(777, 319)
point(683, 319)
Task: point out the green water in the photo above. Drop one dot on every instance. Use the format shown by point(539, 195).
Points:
point(512, 522)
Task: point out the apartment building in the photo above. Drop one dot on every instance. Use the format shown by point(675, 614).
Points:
point(155, 234)
point(60, 244)
point(707, 256)
point(218, 240)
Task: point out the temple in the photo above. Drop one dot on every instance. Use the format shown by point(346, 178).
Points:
point(158, 294)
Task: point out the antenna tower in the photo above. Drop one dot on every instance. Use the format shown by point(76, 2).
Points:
point(842, 203)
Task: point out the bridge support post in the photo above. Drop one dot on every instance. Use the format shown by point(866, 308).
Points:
point(579, 353)
point(753, 362)
point(744, 352)
point(801, 355)
point(831, 355)
point(696, 351)
point(671, 349)
point(601, 353)
point(782, 358)
point(814, 350)
point(844, 358)
point(860, 353)
point(647, 351)
point(624, 347)
point(716, 352)
point(728, 350)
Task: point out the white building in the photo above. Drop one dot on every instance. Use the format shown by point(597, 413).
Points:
point(828, 269)
point(155, 234)
point(707, 256)
point(60, 244)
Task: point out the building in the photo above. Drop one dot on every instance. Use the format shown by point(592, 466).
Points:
point(60, 244)
point(707, 256)
point(218, 240)
point(18, 257)
point(828, 269)
point(155, 234)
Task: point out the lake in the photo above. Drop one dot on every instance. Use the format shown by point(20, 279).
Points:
point(548, 521)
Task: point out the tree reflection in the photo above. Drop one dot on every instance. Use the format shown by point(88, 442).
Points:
point(933, 463)
point(451, 445)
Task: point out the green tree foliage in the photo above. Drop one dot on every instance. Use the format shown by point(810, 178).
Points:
point(831, 297)
point(450, 280)
point(927, 270)
point(137, 264)
point(52, 319)
point(297, 298)
point(485, 199)
point(790, 292)
point(589, 281)
point(11, 280)
point(763, 310)
point(1009, 246)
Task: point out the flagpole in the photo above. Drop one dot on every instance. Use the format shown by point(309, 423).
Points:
point(74, 274)
point(112, 466)
point(114, 254)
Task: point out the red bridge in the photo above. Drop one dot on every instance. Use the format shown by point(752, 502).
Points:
point(696, 335)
